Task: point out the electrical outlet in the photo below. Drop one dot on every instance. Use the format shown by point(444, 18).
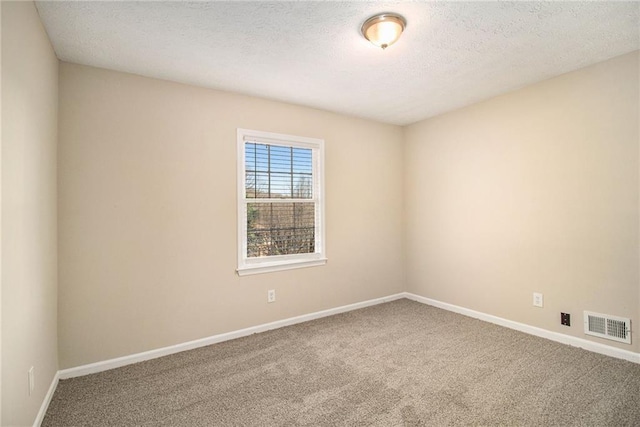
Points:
point(271, 295)
point(538, 300)
point(32, 382)
point(565, 319)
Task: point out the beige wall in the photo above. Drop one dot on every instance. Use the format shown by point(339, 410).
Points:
point(0, 213)
point(533, 191)
point(29, 264)
point(147, 214)
point(536, 190)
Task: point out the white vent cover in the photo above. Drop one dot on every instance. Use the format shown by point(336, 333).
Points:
point(607, 326)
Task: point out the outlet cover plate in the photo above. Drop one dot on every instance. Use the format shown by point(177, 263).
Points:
point(538, 299)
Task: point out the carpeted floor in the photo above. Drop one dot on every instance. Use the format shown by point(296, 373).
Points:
point(394, 364)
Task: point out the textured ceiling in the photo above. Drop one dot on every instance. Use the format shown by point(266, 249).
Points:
point(452, 54)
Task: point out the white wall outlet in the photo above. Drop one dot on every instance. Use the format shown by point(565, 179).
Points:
point(271, 295)
point(538, 300)
point(32, 381)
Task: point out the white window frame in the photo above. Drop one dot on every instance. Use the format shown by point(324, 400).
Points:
point(254, 265)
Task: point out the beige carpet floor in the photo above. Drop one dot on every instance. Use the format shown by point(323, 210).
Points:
point(396, 364)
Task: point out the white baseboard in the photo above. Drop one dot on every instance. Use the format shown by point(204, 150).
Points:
point(105, 365)
point(165, 351)
point(47, 400)
point(532, 330)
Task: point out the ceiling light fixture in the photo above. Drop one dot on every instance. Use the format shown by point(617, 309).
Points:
point(383, 30)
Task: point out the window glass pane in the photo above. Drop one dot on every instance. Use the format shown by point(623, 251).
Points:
point(261, 157)
point(280, 185)
point(280, 158)
point(280, 228)
point(302, 160)
point(278, 172)
point(250, 185)
point(302, 186)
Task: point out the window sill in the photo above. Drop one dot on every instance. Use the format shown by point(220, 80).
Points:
point(269, 268)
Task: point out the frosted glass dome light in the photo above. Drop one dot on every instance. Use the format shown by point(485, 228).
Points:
point(383, 30)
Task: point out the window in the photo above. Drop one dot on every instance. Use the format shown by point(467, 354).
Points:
point(280, 202)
